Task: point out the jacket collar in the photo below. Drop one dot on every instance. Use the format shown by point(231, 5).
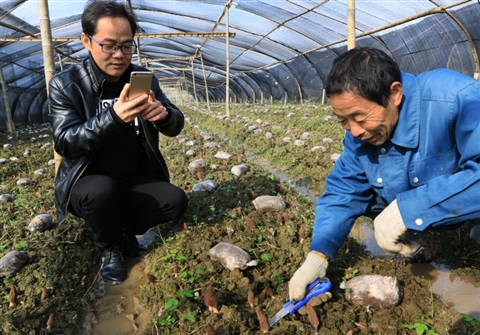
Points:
point(97, 75)
point(406, 133)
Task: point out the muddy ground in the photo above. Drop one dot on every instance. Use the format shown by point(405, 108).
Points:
point(178, 267)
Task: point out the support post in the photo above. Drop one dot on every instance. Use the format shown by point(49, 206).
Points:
point(8, 109)
point(194, 84)
point(227, 61)
point(47, 48)
point(351, 24)
point(205, 81)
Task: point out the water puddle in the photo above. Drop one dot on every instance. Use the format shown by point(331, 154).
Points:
point(299, 186)
point(118, 310)
point(462, 290)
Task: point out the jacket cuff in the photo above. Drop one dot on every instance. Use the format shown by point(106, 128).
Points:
point(115, 116)
point(164, 121)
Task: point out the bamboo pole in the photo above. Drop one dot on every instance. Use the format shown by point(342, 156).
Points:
point(60, 62)
point(139, 54)
point(205, 81)
point(227, 61)
point(48, 59)
point(8, 110)
point(32, 38)
point(351, 24)
point(194, 84)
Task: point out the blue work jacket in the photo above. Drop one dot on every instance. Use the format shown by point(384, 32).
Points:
point(431, 164)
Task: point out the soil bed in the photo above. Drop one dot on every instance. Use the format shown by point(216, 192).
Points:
point(63, 261)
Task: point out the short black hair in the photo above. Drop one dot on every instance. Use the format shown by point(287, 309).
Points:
point(97, 9)
point(368, 72)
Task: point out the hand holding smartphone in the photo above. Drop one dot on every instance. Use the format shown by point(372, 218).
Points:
point(140, 83)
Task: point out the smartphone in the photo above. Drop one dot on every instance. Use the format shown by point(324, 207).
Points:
point(140, 83)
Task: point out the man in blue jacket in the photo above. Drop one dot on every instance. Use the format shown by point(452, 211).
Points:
point(112, 173)
point(411, 157)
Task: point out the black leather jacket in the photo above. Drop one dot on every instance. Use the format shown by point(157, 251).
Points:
point(77, 131)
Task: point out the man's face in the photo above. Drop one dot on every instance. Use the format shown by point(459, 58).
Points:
point(365, 119)
point(115, 31)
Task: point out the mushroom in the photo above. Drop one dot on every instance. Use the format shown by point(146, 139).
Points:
point(43, 296)
point(313, 317)
point(279, 219)
point(50, 322)
point(269, 292)
point(251, 298)
point(175, 270)
point(12, 297)
point(210, 330)
point(262, 319)
point(151, 278)
point(349, 245)
point(263, 294)
point(211, 301)
point(249, 221)
point(301, 233)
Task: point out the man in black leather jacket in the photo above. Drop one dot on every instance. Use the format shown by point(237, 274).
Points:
point(112, 173)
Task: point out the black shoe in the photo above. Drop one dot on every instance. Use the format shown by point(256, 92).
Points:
point(113, 268)
point(131, 248)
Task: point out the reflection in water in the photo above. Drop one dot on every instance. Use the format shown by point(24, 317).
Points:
point(118, 310)
point(463, 291)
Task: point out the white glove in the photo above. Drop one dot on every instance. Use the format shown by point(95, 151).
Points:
point(389, 227)
point(315, 266)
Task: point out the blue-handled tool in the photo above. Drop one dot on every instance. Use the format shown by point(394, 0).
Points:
point(317, 287)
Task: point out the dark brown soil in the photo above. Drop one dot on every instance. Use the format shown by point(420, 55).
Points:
point(63, 261)
point(221, 216)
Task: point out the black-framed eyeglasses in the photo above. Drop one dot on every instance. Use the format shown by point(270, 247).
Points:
point(127, 49)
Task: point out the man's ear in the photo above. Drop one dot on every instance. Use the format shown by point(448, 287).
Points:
point(396, 89)
point(87, 43)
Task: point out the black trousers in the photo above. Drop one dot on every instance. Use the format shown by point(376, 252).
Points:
point(113, 209)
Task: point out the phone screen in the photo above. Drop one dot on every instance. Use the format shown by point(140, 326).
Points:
point(140, 83)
